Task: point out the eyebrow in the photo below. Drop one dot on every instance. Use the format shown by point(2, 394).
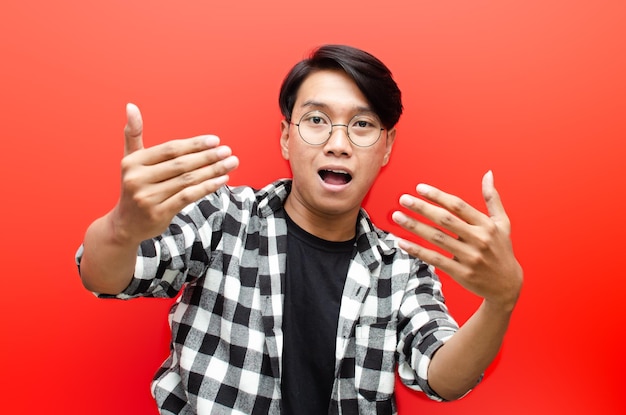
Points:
point(318, 104)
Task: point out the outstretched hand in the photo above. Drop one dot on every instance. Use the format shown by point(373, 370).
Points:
point(482, 258)
point(159, 181)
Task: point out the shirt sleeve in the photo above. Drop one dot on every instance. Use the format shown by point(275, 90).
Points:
point(178, 256)
point(425, 325)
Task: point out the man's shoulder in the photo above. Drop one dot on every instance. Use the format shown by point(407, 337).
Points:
point(277, 189)
point(264, 201)
point(384, 241)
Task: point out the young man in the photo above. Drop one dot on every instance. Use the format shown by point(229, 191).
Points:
point(293, 302)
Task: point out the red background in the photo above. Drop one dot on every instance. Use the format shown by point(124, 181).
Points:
point(534, 90)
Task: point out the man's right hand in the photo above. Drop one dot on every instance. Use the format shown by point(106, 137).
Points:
point(159, 181)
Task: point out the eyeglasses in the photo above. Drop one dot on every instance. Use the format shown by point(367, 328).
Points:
point(315, 128)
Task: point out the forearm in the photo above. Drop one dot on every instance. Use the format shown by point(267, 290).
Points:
point(108, 261)
point(457, 366)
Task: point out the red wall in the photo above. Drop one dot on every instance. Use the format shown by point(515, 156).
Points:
point(534, 90)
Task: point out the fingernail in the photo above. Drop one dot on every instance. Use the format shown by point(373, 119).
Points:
point(223, 152)
point(488, 179)
point(211, 140)
point(423, 189)
point(406, 200)
point(404, 244)
point(231, 162)
point(398, 217)
point(220, 180)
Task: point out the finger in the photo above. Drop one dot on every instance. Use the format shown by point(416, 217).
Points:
point(493, 201)
point(202, 177)
point(438, 215)
point(440, 261)
point(190, 194)
point(187, 166)
point(430, 234)
point(452, 204)
point(133, 132)
point(174, 149)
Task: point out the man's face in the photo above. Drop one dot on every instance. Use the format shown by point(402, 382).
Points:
point(334, 177)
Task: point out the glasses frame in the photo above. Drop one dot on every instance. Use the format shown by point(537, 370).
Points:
point(331, 130)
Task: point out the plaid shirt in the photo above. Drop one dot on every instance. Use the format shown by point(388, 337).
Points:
point(228, 252)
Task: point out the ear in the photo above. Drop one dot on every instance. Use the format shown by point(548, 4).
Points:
point(391, 136)
point(284, 138)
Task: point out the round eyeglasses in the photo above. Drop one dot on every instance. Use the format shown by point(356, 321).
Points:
point(315, 128)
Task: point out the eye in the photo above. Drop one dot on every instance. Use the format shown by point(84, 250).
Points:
point(315, 119)
point(361, 122)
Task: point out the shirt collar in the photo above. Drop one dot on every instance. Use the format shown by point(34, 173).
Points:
point(372, 243)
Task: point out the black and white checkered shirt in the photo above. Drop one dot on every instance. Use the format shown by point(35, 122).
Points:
point(227, 252)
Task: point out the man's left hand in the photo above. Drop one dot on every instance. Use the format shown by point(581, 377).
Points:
point(482, 258)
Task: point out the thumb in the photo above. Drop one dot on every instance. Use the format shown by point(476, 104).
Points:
point(493, 201)
point(133, 132)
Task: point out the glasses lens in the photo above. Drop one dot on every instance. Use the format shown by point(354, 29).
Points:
point(315, 127)
point(364, 130)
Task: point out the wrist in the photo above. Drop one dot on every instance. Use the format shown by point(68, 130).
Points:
point(118, 233)
point(501, 306)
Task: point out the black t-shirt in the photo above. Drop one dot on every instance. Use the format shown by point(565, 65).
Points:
point(315, 276)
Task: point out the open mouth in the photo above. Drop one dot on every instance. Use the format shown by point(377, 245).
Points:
point(336, 177)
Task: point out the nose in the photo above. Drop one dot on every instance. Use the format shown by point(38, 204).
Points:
point(339, 143)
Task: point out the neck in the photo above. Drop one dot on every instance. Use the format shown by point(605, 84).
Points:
point(331, 227)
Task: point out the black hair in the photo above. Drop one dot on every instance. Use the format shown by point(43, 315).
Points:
point(371, 76)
